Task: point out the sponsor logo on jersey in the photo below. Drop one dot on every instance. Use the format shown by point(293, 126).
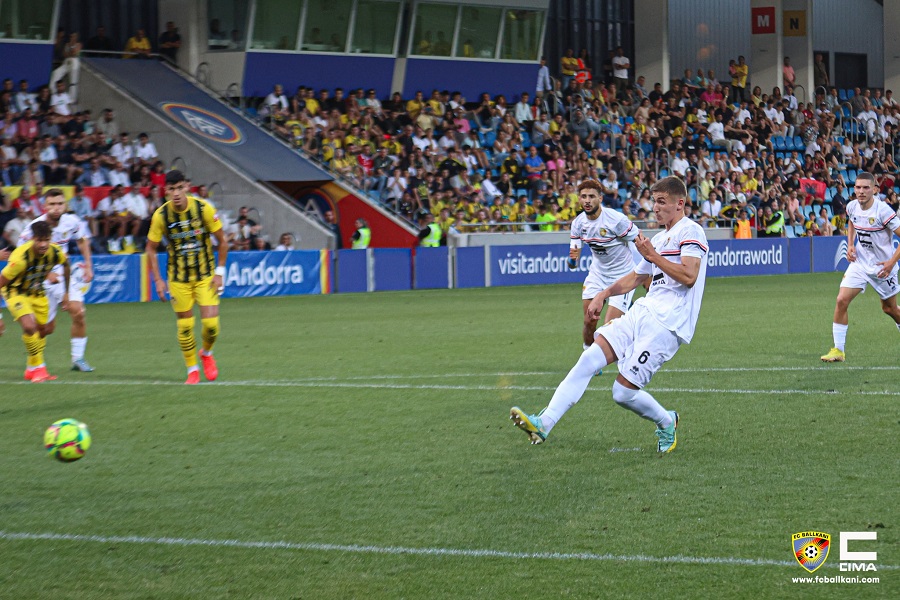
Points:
point(203, 123)
point(871, 220)
point(811, 548)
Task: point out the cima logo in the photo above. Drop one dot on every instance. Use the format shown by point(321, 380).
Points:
point(811, 549)
point(203, 123)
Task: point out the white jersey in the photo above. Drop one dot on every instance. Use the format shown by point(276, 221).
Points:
point(874, 233)
point(70, 227)
point(608, 236)
point(675, 305)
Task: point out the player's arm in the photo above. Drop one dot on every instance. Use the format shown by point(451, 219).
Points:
point(888, 265)
point(685, 273)
point(574, 252)
point(624, 285)
point(67, 274)
point(851, 241)
point(154, 237)
point(84, 246)
point(219, 279)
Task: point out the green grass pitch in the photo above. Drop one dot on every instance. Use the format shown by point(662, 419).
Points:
point(359, 446)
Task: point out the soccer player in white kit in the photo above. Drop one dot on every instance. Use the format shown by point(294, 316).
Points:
point(871, 225)
point(650, 333)
point(67, 227)
point(607, 232)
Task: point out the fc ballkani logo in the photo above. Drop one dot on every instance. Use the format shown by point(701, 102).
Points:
point(811, 548)
point(203, 123)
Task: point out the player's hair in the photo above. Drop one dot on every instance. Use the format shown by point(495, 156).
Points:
point(590, 184)
point(670, 185)
point(41, 230)
point(174, 176)
point(867, 176)
point(55, 192)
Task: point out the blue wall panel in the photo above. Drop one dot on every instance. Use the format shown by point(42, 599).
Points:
point(393, 269)
point(829, 254)
point(472, 78)
point(431, 268)
point(26, 61)
point(264, 69)
point(799, 255)
point(351, 271)
point(470, 267)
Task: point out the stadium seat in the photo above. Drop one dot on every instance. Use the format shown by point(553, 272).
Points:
point(789, 231)
point(663, 173)
point(778, 142)
point(692, 192)
point(798, 144)
point(829, 193)
point(526, 139)
point(789, 144)
point(828, 211)
point(842, 95)
point(851, 176)
point(799, 230)
point(489, 139)
point(850, 93)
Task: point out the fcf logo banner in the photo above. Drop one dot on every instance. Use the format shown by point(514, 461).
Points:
point(811, 548)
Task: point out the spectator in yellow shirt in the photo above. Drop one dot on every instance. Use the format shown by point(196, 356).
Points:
point(138, 46)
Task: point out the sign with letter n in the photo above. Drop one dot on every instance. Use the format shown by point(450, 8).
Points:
point(794, 23)
point(762, 19)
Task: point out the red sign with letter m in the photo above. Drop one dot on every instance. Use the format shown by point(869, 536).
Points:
point(762, 19)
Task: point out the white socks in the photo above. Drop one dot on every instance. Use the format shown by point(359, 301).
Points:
point(642, 403)
point(78, 346)
point(572, 387)
point(839, 332)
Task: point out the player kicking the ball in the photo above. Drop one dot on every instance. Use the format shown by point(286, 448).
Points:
point(649, 334)
point(873, 261)
point(607, 232)
point(67, 227)
point(188, 223)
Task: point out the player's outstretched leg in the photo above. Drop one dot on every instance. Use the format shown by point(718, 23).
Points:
point(569, 392)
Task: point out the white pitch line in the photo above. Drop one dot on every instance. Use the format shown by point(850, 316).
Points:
point(473, 388)
point(561, 373)
point(358, 549)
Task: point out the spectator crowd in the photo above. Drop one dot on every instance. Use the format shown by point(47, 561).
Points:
point(782, 165)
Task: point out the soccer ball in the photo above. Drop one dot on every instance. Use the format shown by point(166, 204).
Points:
point(67, 440)
point(811, 552)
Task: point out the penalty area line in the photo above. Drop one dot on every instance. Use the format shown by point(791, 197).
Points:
point(471, 388)
point(399, 550)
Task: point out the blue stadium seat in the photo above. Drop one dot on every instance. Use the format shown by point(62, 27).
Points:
point(778, 142)
point(789, 144)
point(663, 173)
point(842, 95)
point(828, 211)
point(789, 231)
point(829, 193)
point(692, 192)
point(851, 176)
point(489, 139)
point(847, 112)
point(798, 144)
point(850, 93)
point(526, 139)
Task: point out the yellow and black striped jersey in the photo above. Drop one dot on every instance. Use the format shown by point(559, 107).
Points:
point(26, 271)
point(188, 233)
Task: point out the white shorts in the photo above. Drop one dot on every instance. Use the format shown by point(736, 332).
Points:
point(77, 289)
point(594, 284)
point(856, 277)
point(641, 343)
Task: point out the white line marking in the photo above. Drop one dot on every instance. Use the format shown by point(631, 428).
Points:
point(473, 388)
point(354, 548)
point(561, 373)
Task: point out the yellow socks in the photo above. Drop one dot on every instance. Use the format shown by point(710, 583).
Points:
point(187, 342)
point(34, 347)
point(209, 333)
